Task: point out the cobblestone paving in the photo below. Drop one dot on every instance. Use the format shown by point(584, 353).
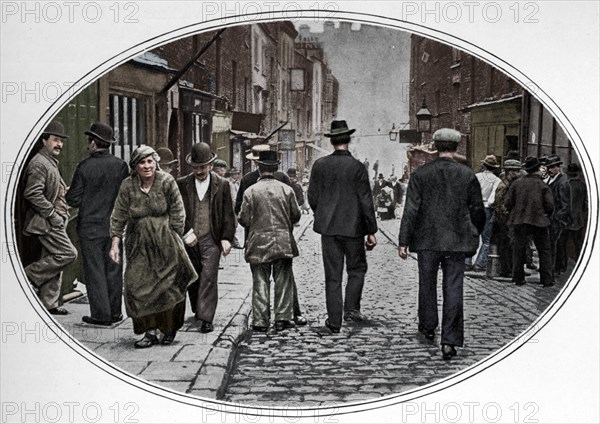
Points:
point(309, 366)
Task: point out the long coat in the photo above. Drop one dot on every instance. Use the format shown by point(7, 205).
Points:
point(529, 201)
point(443, 210)
point(561, 191)
point(251, 178)
point(93, 190)
point(340, 195)
point(269, 212)
point(579, 203)
point(41, 191)
point(158, 269)
point(222, 218)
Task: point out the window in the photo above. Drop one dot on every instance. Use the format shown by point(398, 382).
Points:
point(127, 117)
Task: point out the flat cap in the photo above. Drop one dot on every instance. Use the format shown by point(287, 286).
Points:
point(446, 134)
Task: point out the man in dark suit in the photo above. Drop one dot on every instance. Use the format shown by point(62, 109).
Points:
point(443, 217)
point(209, 229)
point(340, 196)
point(561, 217)
point(93, 190)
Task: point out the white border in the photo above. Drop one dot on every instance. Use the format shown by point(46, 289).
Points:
point(564, 64)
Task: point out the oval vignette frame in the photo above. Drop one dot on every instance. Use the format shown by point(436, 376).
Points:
point(362, 18)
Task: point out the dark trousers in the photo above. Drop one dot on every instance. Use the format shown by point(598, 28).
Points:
point(203, 292)
point(335, 249)
point(522, 234)
point(556, 231)
point(453, 271)
point(503, 240)
point(103, 278)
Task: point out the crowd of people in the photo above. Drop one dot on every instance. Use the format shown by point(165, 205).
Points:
point(173, 232)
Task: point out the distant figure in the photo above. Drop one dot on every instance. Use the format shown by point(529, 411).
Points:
point(579, 212)
point(295, 186)
point(47, 217)
point(93, 190)
point(220, 167)
point(376, 167)
point(167, 162)
point(269, 210)
point(340, 197)
point(443, 214)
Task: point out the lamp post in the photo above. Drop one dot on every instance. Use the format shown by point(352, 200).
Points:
point(423, 119)
point(393, 133)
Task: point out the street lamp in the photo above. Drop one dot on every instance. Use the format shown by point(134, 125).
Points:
point(393, 133)
point(423, 118)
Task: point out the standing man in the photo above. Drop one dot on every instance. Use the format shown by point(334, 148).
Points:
point(168, 162)
point(209, 229)
point(93, 190)
point(443, 217)
point(530, 203)
point(269, 210)
point(488, 182)
point(561, 217)
point(46, 218)
point(579, 212)
point(340, 196)
point(250, 179)
point(220, 167)
point(298, 191)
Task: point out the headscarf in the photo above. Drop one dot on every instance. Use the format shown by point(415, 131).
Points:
point(141, 153)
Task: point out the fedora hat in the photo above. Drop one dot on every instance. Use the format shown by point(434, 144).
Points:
point(490, 161)
point(512, 164)
point(531, 163)
point(101, 132)
point(55, 128)
point(201, 155)
point(446, 134)
point(553, 160)
point(166, 156)
point(268, 157)
point(252, 154)
point(339, 128)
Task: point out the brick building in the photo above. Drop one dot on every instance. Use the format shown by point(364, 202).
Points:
point(492, 111)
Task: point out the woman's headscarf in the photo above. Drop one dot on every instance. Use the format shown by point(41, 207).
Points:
point(141, 153)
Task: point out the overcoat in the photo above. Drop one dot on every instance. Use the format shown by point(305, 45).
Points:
point(579, 203)
point(443, 210)
point(222, 218)
point(269, 211)
point(251, 178)
point(529, 201)
point(561, 191)
point(340, 196)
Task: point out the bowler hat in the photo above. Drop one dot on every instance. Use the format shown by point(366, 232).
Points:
point(490, 161)
point(56, 128)
point(253, 153)
point(512, 164)
point(553, 160)
point(380, 177)
point(291, 172)
point(339, 128)
point(166, 156)
point(201, 155)
point(267, 157)
point(446, 134)
point(531, 164)
point(101, 132)
point(573, 169)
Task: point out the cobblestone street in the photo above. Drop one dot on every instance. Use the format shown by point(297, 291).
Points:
point(309, 366)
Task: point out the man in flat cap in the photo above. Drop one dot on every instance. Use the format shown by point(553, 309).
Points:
point(339, 193)
point(531, 204)
point(46, 218)
point(209, 229)
point(443, 217)
point(93, 190)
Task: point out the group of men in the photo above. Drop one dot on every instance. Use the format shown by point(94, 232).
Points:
point(387, 197)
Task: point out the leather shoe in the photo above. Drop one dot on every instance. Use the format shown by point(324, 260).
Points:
point(448, 351)
point(429, 334)
point(354, 316)
point(94, 321)
point(206, 327)
point(58, 311)
point(520, 283)
point(146, 342)
point(550, 284)
point(300, 320)
point(332, 328)
point(283, 324)
point(261, 328)
point(531, 266)
point(117, 319)
point(236, 244)
point(168, 338)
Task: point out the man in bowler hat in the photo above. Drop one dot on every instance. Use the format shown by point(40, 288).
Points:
point(340, 196)
point(443, 217)
point(167, 162)
point(209, 229)
point(93, 190)
point(47, 217)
